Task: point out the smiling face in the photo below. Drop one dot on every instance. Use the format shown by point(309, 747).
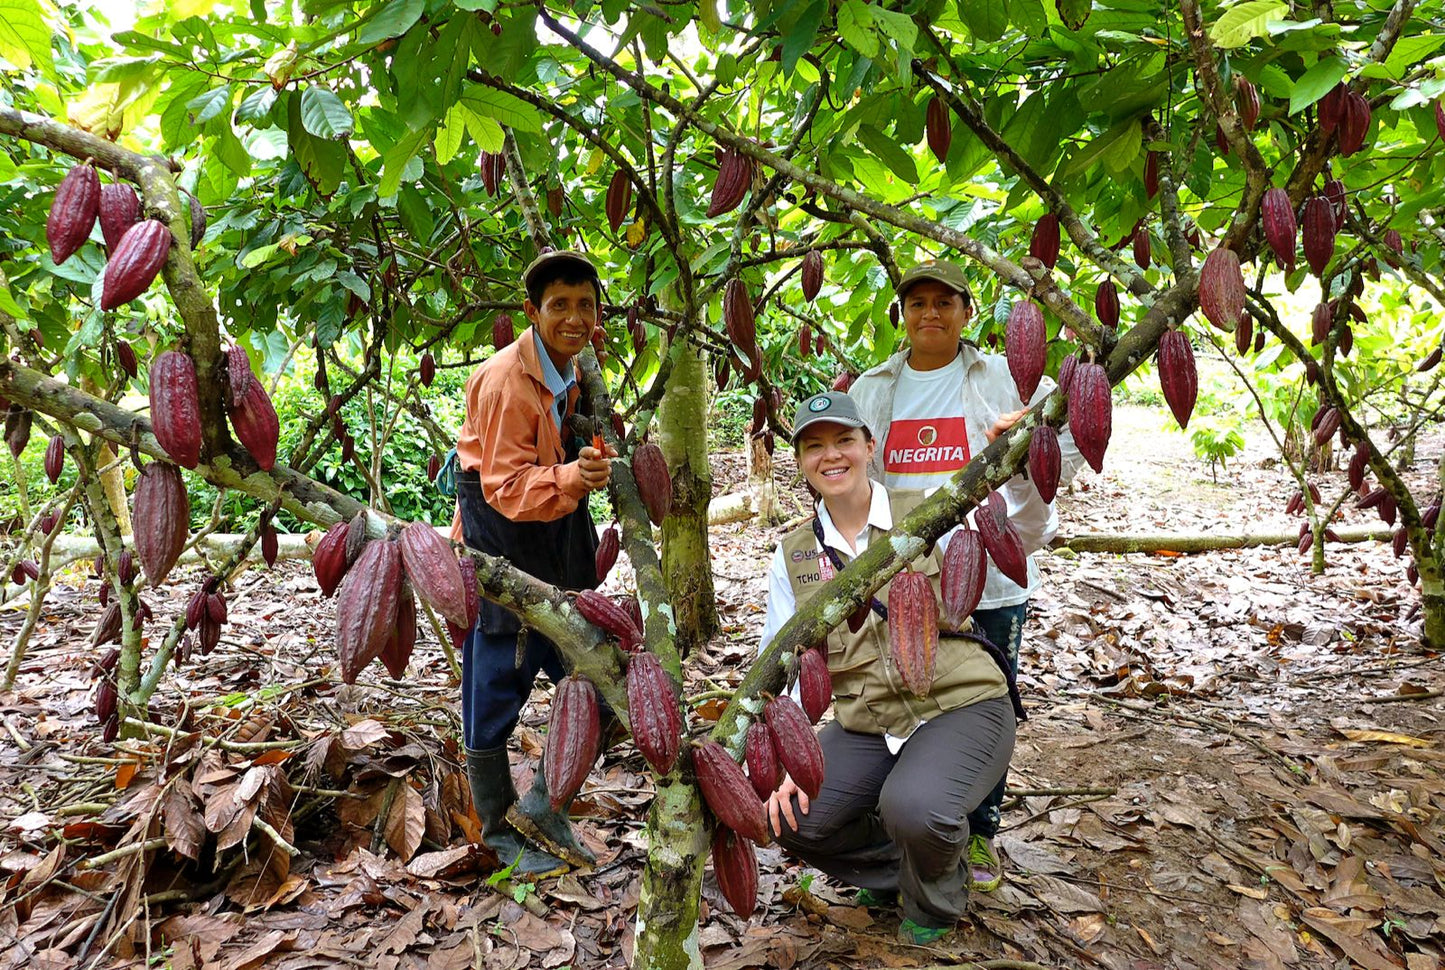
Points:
point(834, 458)
point(565, 318)
point(933, 315)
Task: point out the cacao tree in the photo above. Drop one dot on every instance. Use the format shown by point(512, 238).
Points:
point(357, 190)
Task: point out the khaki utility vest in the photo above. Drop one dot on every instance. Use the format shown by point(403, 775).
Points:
point(868, 692)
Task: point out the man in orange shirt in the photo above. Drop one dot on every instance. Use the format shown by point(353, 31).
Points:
point(522, 489)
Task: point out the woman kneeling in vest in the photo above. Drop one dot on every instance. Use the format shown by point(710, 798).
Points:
point(902, 772)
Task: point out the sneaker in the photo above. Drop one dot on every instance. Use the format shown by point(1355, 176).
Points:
point(918, 935)
point(984, 868)
point(875, 898)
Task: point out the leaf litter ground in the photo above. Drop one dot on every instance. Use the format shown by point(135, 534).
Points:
point(1228, 762)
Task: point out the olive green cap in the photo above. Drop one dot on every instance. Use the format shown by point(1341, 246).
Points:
point(938, 270)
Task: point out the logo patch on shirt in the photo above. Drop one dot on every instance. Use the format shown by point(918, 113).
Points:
point(923, 446)
point(800, 555)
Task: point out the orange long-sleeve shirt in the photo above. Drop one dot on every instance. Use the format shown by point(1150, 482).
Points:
point(510, 439)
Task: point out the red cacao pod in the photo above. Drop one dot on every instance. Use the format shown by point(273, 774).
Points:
point(741, 321)
point(1400, 541)
point(735, 864)
point(795, 743)
point(1244, 334)
point(1026, 346)
point(912, 631)
point(73, 212)
point(1044, 244)
point(256, 425)
point(1151, 175)
point(734, 178)
point(18, 422)
point(1329, 424)
point(270, 545)
point(107, 627)
point(1354, 123)
point(105, 700)
point(654, 482)
point(399, 646)
point(238, 373)
point(1178, 376)
point(1332, 107)
point(432, 568)
point(607, 549)
point(134, 262)
point(1281, 230)
point(765, 772)
point(812, 274)
point(608, 615)
point(125, 567)
point(1334, 190)
point(328, 559)
point(1221, 288)
point(1359, 463)
point(1431, 361)
point(1319, 233)
point(176, 407)
point(493, 166)
point(366, 607)
point(1141, 247)
point(805, 341)
point(727, 791)
point(938, 127)
point(1246, 101)
point(119, 210)
point(652, 706)
point(573, 735)
point(1066, 373)
point(1320, 322)
point(125, 355)
point(1440, 117)
point(433, 467)
point(1045, 462)
point(815, 683)
point(1091, 412)
point(1106, 305)
point(619, 198)
point(54, 458)
point(965, 568)
point(503, 333)
point(161, 519)
point(427, 370)
point(842, 381)
point(1001, 540)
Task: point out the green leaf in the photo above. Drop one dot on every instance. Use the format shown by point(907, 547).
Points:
point(1097, 149)
point(355, 284)
point(394, 19)
point(887, 150)
point(987, 19)
point(1316, 83)
point(209, 104)
point(8, 304)
point(24, 35)
point(504, 108)
point(1073, 13)
point(256, 106)
point(855, 24)
point(1244, 22)
point(1409, 52)
point(125, 69)
point(900, 27)
point(259, 255)
point(801, 35)
point(395, 161)
point(323, 114)
point(450, 134)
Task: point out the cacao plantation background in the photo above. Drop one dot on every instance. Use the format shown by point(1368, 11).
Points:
point(250, 253)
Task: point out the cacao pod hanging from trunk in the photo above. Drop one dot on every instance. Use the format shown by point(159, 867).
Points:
point(1221, 288)
point(434, 572)
point(654, 482)
point(652, 706)
point(1319, 233)
point(119, 210)
point(1354, 123)
point(765, 772)
point(270, 545)
point(134, 262)
point(1320, 322)
point(399, 646)
point(1045, 461)
point(1178, 376)
point(912, 631)
point(1334, 190)
point(1044, 245)
point(366, 606)
point(1141, 247)
point(741, 322)
point(427, 370)
point(1001, 540)
point(1026, 347)
point(493, 167)
point(796, 744)
point(1246, 101)
point(1280, 229)
point(54, 459)
point(735, 864)
point(73, 212)
point(1332, 107)
point(965, 568)
point(812, 274)
point(573, 734)
point(815, 683)
point(328, 559)
point(728, 793)
point(1091, 412)
point(938, 128)
point(608, 615)
point(1151, 175)
point(734, 178)
point(619, 198)
point(257, 427)
point(608, 546)
point(161, 519)
point(502, 330)
point(1106, 305)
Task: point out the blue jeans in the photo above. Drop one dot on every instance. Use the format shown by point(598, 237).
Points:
point(494, 688)
point(1004, 627)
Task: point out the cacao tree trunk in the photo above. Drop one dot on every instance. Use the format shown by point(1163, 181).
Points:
point(686, 565)
point(760, 483)
point(667, 911)
point(1432, 601)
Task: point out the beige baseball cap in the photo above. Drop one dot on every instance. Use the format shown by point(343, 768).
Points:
point(940, 271)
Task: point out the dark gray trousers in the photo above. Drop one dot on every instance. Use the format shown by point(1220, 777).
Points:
point(900, 822)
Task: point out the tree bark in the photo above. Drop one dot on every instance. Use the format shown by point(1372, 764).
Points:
point(667, 910)
point(686, 564)
point(761, 484)
point(1144, 542)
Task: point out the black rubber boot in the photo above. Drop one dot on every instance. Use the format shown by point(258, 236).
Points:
point(490, 778)
point(534, 817)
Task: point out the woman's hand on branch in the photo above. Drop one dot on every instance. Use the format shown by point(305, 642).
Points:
point(780, 806)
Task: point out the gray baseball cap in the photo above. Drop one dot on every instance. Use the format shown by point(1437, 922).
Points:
point(568, 256)
point(834, 406)
point(939, 271)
